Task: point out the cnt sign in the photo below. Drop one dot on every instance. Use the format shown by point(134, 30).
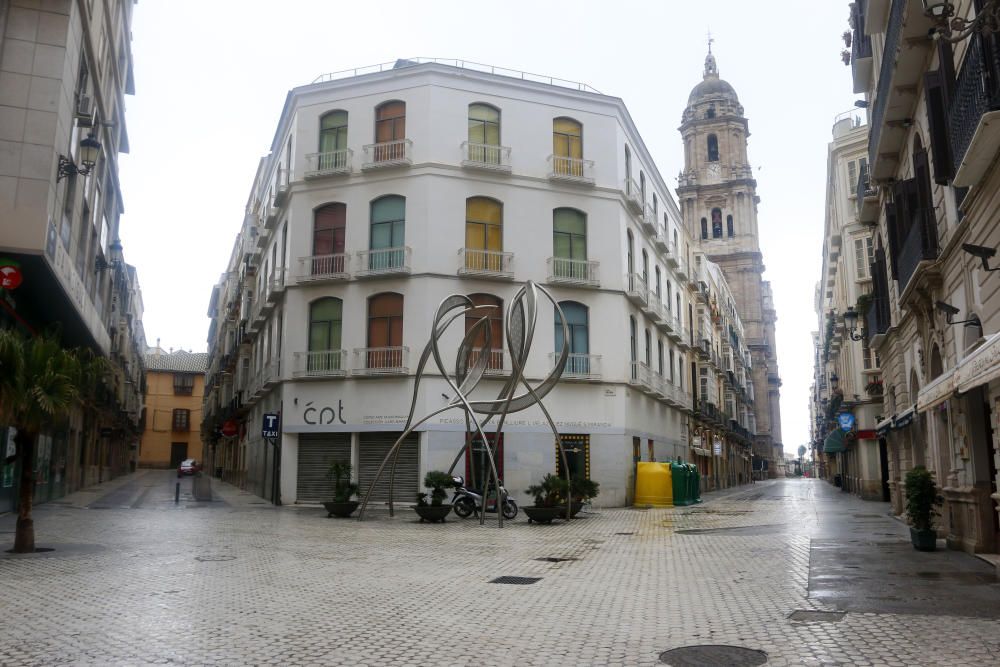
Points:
point(271, 425)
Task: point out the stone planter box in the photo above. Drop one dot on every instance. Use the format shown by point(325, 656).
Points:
point(341, 510)
point(432, 513)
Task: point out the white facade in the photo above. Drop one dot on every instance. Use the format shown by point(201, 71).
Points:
point(620, 401)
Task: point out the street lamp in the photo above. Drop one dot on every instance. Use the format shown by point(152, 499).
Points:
point(851, 322)
point(953, 28)
point(90, 148)
point(834, 381)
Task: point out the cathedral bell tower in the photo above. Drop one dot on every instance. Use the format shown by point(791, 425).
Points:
point(718, 199)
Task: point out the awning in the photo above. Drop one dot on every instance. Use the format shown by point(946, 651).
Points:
point(937, 392)
point(883, 427)
point(835, 442)
point(980, 367)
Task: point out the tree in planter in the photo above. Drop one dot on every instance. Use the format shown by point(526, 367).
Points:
point(921, 498)
point(40, 384)
point(550, 493)
point(437, 481)
point(343, 488)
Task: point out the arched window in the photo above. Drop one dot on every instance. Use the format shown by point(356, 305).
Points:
point(659, 293)
point(716, 223)
point(713, 148)
point(567, 147)
point(630, 256)
point(704, 228)
point(332, 141)
point(667, 301)
point(385, 331)
point(569, 244)
point(390, 131)
point(628, 170)
point(656, 208)
point(633, 344)
point(325, 323)
point(659, 357)
point(484, 235)
point(730, 232)
point(645, 268)
point(642, 188)
point(494, 317)
point(671, 365)
point(937, 368)
point(484, 133)
point(387, 236)
point(649, 348)
point(577, 320)
point(710, 113)
point(329, 225)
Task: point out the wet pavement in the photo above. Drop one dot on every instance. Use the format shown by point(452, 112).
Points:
point(793, 568)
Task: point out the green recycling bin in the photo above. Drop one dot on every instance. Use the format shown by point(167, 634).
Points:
point(682, 483)
point(695, 484)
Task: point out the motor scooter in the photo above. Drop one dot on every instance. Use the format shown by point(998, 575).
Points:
point(467, 502)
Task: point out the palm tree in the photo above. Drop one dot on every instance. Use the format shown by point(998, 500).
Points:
point(39, 387)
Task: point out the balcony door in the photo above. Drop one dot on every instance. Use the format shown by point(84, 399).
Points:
point(567, 147)
point(333, 141)
point(385, 331)
point(329, 235)
point(577, 320)
point(388, 228)
point(484, 134)
point(390, 131)
point(483, 235)
point(494, 317)
point(569, 244)
point(325, 325)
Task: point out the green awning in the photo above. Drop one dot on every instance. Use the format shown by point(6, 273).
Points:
point(835, 442)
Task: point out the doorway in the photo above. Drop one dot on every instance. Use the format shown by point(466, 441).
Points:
point(883, 458)
point(477, 464)
point(577, 448)
point(178, 453)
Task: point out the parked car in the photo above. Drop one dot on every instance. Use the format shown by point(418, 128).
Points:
point(188, 467)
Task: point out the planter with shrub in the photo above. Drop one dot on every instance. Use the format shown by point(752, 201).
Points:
point(436, 510)
point(921, 506)
point(343, 490)
point(550, 499)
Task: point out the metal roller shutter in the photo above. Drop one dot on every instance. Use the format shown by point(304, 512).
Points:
point(373, 448)
point(316, 452)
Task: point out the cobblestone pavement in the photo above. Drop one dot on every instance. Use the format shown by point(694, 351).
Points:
point(145, 581)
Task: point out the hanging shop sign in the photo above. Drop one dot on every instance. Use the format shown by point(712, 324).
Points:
point(717, 446)
point(10, 274)
point(230, 428)
point(846, 421)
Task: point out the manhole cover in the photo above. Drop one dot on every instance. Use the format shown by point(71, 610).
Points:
point(520, 581)
point(211, 559)
point(555, 559)
point(717, 655)
point(810, 616)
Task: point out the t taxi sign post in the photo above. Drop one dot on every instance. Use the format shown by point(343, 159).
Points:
point(269, 430)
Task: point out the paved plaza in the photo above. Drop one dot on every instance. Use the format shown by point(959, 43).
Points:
point(136, 579)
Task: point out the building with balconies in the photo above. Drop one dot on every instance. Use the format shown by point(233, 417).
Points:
point(175, 389)
point(472, 180)
point(934, 315)
point(65, 68)
point(848, 378)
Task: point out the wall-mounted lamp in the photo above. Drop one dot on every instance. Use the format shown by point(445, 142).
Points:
point(951, 311)
point(834, 381)
point(115, 254)
point(851, 322)
point(983, 253)
point(953, 28)
point(90, 149)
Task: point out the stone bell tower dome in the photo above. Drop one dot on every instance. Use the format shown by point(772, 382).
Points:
point(717, 194)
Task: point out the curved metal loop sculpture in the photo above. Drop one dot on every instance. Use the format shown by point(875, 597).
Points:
point(470, 369)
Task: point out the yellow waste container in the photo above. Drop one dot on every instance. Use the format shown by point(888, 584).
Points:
point(654, 484)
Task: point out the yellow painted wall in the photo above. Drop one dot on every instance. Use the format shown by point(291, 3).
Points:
point(154, 449)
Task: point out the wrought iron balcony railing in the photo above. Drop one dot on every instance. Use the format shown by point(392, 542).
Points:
point(384, 261)
point(331, 163)
point(574, 271)
point(976, 93)
point(381, 361)
point(485, 156)
point(920, 245)
point(892, 39)
point(579, 366)
point(322, 363)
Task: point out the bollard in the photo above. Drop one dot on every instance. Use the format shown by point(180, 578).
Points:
point(177, 493)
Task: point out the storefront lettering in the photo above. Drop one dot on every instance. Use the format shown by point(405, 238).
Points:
point(327, 414)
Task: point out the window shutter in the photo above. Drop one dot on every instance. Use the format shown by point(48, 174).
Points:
point(892, 213)
point(925, 201)
point(937, 120)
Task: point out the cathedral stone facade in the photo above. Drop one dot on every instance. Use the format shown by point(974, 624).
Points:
point(717, 196)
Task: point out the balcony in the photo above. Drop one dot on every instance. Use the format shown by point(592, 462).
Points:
point(974, 114)
point(641, 377)
point(636, 290)
point(273, 212)
point(680, 264)
point(486, 263)
point(662, 243)
point(667, 322)
point(495, 366)
point(281, 187)
point(653, 308)
point(486, 156)
point(861, 49)
point(323, 268)
point(877, 319)
point(580, 367)
point(276, 286)
point(384, 262)
point(331, 163)
point(571, 169)
point(396, 153)
point(578, 272)
point(903, 64)
point(633, 195)
point(867, 199)
point(918, 250)
point(321, 364)
point(270, 374)
point(377, 361)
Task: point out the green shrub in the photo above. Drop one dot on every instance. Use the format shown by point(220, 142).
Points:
point(437, 481)
point(921, 498)
point(584, 489)
point(343, 489)
point(551, 492)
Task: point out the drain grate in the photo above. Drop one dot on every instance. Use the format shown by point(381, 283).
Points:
point(555, 559)
point(214, 559)
point(713, 655)
point(519, 581)
point(626, 533)
point(811, 616)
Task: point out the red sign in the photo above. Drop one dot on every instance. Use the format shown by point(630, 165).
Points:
point(230, 428)
point(867, 434)
point(10, 277)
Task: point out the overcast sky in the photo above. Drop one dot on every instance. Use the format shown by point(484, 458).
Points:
point(211, 78)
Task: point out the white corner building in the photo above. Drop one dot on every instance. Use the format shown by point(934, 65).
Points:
point(389, 188)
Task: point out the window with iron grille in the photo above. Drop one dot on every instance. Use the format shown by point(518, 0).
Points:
point(182, 420)
point(183, 384)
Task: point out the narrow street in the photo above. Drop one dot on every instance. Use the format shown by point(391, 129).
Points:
point(792, 567)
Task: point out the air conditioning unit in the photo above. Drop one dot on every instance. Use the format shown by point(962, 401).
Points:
point(84, 111)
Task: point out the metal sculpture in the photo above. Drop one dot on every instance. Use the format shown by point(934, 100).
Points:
point(522, 315)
